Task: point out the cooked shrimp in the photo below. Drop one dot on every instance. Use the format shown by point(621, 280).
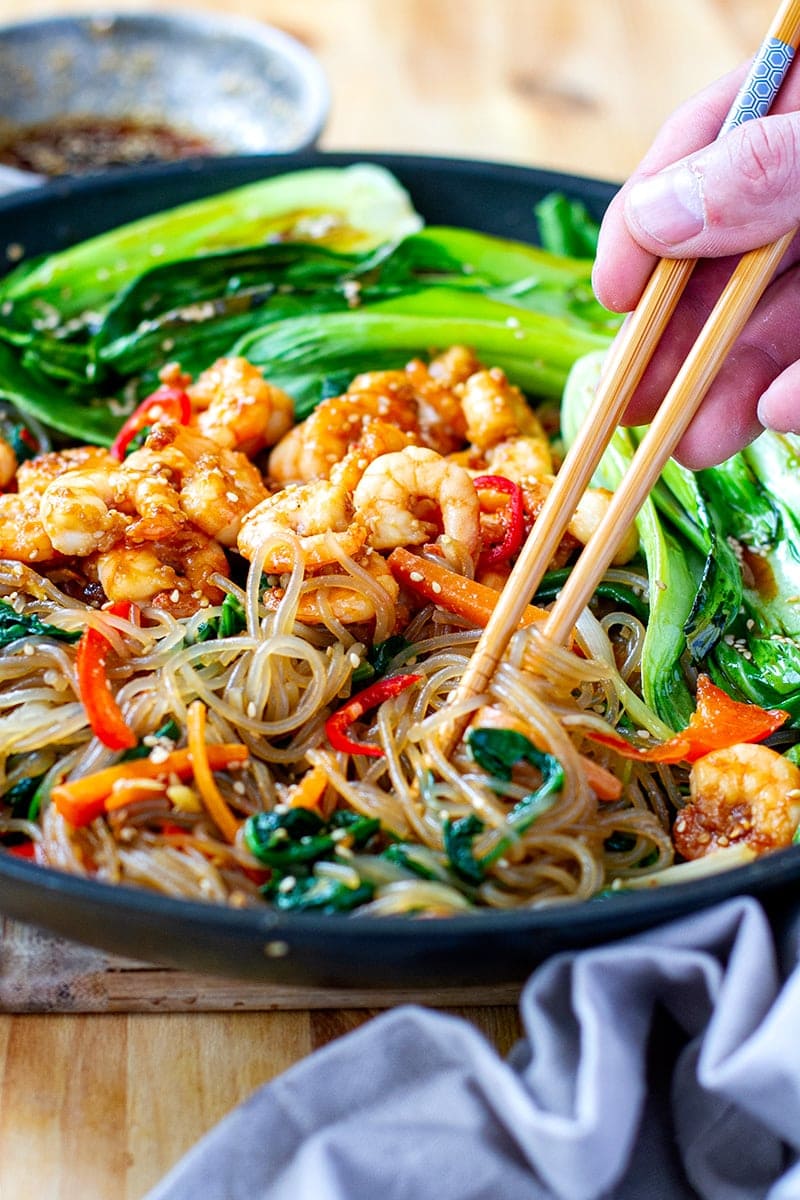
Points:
point(81, 513)
point(218, 491)
point(36, 474)
point(377, 438)
point(22, 534)
point(312, 448)
point(174, 575)
point(521, 457)
point(405, 498)
point(496, 410)
point(319, 514)
point(453, 366)
point(591, 509)
point(346, 601)
point(745, 793)
point(238, 408)
point(440, 420)
point(8, 463)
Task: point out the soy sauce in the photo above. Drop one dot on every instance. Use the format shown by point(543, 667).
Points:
point(78, 145)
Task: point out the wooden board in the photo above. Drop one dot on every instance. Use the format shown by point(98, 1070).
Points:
point(45, 974)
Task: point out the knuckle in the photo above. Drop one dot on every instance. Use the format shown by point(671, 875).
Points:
point(767, 159)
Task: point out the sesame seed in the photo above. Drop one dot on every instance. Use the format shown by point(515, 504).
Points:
point(276, 949)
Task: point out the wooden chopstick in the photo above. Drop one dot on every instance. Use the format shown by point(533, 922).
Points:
point(726, 321)
point(623, 370)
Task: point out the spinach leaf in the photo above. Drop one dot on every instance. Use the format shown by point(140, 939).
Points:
point(320, 893)
point(14, 625)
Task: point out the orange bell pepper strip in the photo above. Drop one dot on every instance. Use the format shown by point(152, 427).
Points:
point(717, 722)
point(80, 801)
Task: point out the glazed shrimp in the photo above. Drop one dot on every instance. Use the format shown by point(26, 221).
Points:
point(22, 534)
point(453, 366)
point(439, 417)
point(319, 514)
point(591, 509)
point(346, 602)
point(406, 497)
point(496, 410)
point(218, 491)
point(80, 511)
point(312, 448)
point(377, 438)
point(36, 474)
point(744, 794)
point(520, 457)
point(174, 575)
point(8, 463)
point(237, 408)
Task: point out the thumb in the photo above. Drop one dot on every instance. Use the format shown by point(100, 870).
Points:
point(740, 192)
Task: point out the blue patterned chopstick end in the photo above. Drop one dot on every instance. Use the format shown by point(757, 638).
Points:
point(762, 83)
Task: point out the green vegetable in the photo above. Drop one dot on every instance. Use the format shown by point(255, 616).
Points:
point(379, 658)
point(307, 355)
point(319, 893)
point(498, 751)
point(229, 623)
point(14, 625)
point(458, 838)
point(351, 209)
point(674, 579)
point(607, 589)
point(23, 798)
point(168, 730)
point(566, 226)
point(299, 837)
point(286, 840)
point(308, 299)
point(751, 499)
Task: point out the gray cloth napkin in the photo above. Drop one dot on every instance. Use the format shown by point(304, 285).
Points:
point(661, 1067)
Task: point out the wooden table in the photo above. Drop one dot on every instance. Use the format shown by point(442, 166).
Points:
point(99, 1106)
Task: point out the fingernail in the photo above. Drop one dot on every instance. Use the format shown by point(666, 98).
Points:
point(668, 206)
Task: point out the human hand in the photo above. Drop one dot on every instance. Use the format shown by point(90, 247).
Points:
point(693, 197)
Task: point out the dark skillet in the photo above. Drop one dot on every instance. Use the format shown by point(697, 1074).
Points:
point(487, 947)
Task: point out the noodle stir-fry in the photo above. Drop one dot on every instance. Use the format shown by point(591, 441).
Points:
point(230, 642)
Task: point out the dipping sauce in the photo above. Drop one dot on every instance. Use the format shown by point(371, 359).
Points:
point(77, 145)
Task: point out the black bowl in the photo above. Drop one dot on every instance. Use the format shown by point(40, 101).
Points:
point(483, 948)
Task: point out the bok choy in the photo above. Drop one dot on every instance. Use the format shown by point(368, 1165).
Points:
point(723, 555)
point(312, 275)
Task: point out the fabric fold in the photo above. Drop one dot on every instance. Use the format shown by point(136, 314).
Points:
point(666, 1060)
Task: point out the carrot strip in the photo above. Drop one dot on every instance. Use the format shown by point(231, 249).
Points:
point(130, 791)
point(604, 785)
point(82, 800)
point(215, 802)
point(308, 792)
point(455, 593)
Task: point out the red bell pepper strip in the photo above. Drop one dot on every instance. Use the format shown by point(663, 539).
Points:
point(338, 723)
point(512, 538)
point(22, 850)
point(165, 401)
point(105, 715)
point(718, 722)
